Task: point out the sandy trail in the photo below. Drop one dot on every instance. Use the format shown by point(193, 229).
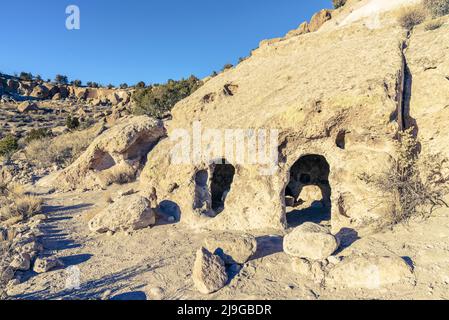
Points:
point(131, 265)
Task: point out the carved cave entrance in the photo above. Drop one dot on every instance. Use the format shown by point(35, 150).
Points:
point(211, 193)
point(308, 193)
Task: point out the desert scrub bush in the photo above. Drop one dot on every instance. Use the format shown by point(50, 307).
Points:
point(72, 123)
point(8, 145)
point(156, 101)
point(409, 17)
point(37, 134)
point(418, 185)
point(433, 25)
point(437, 8)
point(338, 3)
point(61, 150)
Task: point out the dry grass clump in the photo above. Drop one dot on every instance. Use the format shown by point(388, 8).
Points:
point(61, 150)
point(409, 17)
point(15, 203)
point(437, 8)
point(120, 174)
point(418, 184)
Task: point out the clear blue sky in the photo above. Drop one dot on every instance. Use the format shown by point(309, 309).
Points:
point(128, 41)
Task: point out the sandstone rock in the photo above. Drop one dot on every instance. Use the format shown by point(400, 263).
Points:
point(114, 156)
point(6, 274)
point(309, 269)
point(157, 293)
point(126, 213)
point(21, 262)
point(233, 248)
point(12, 85)
point(319, 19)
point(209, 273)
point(310, 241)
point(57, 96)
point(302, 29)
point(311, 194)
point(370, 272)
point(27, 106)
point(275, 91)
point(3, 234)
point(113, 99)
point(43, 265)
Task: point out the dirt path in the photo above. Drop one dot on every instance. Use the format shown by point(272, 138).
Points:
point(133, 265)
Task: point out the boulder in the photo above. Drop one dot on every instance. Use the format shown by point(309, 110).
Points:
point(233, 248)
point(132, 212)
point(209, 273)
point(63, 91)
point(21, 262)
point(6, 274)
point(57, 96)
point(370, 272)
point(302, 29)
point(114, 156)
point(40, 92)
point(27, 106)
point(310, 241)
point(319, 19)
point(308, 269)
point(44, 264)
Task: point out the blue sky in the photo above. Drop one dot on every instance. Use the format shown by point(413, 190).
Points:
point(128, 41)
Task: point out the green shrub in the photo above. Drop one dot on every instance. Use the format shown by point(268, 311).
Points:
point(8, 145)
point(77, 83)
point(157, 100)
point(124, 86)
point(338, 3)
point(437, 8)
point(72, 122)
point(409, 17)
point(37, 134)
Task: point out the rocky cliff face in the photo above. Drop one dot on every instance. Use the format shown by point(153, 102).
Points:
point(17, 89)
point(337, 97)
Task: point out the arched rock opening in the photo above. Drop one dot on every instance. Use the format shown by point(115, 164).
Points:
point(101, 161)
point(220, 186)
point(212, 189)
point(308, 193)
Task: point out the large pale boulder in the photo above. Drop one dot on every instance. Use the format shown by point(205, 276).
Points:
point(40, 91)
point(370, 272)
point(132, 212)
point(209, 273)
point(233, 248)
point(114, 156)
point(310, 241)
